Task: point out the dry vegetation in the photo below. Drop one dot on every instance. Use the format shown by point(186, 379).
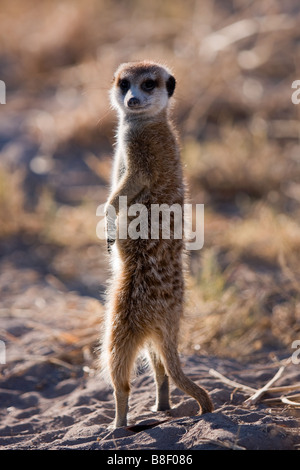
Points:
point(235, 62)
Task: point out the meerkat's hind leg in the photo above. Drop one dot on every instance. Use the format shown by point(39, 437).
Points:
point(161, 381)
point(169, 354)
point(121, 402)
point(124, 348)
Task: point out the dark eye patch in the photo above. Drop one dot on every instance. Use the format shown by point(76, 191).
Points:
point(124, 85)
point(149, 84)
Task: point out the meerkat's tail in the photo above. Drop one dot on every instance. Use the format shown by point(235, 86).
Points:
point(172, 365)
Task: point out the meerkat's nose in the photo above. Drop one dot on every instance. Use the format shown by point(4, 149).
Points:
point(132, 102)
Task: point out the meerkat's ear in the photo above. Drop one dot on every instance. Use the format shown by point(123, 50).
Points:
point(170, 85)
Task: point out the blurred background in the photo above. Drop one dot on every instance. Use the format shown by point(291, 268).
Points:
point(235, 62)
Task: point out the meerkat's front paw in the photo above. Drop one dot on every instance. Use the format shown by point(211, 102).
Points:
point(107, 208)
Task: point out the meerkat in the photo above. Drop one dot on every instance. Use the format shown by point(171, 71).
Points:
point(146, 292)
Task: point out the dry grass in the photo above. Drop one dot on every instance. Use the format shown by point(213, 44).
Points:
point(240, 145)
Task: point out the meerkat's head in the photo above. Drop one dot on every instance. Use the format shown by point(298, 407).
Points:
point(142, 88)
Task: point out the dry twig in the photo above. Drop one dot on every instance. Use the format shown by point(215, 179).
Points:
point(226, 443)
point(258, 394)
point(286, 400)
point(234, 384)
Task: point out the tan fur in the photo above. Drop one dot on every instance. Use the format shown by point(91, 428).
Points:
point(145, 298)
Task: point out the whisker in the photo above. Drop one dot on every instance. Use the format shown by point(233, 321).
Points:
point(103, 117)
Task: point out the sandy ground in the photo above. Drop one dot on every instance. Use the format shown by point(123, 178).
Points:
point(52, 398)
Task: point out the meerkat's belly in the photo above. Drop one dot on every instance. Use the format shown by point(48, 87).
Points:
point(152, 269)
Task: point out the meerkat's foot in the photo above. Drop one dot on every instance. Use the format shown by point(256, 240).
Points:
point(111, 427)
point(162, 407)
point(119, 424)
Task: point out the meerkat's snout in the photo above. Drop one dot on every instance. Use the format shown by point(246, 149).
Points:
point(142, 88)
point(133, 102)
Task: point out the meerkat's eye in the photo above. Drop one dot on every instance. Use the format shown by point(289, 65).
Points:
point(124, 84)
point(149, 84)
